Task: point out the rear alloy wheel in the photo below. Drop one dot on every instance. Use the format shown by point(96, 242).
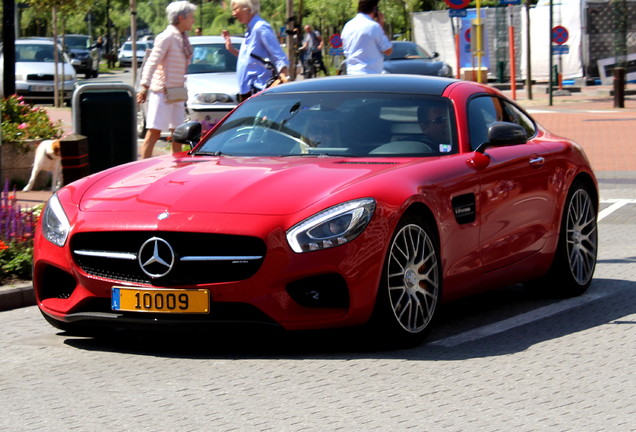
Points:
point(575, 258)
point(411, 284)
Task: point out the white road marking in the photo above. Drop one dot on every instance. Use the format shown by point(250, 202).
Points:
point(517, 321)
point(616, 204)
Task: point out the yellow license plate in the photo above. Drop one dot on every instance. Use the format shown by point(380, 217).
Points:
point(179, 301)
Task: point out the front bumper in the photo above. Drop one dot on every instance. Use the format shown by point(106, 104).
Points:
point(43, 90)
point(323, 289)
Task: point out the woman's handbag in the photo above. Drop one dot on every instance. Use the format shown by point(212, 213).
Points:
point(176, 94)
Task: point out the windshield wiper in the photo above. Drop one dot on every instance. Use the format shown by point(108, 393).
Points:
point(216, 153)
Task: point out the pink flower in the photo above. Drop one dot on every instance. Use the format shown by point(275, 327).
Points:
point(22, 126)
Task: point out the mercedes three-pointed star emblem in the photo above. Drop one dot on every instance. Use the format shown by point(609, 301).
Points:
point(156, 257)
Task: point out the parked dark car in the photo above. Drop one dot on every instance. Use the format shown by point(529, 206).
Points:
point(83, 53)
point(408, 58)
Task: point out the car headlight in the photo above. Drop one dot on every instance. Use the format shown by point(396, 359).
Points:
point(55, 225)
point(210, 98)
point(332, 227)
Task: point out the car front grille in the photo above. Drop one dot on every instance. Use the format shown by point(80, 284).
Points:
point(40, 77)
point(196, 258)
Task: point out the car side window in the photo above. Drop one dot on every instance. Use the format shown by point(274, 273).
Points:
point(482, 112)
point(513, 114)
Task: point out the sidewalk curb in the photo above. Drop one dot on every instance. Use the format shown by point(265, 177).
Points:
point(16, 296)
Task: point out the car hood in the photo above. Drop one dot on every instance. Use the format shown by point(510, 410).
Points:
point(413, 66)
point(265, 186)
point(78, 51)
point(41, 68)
point(220, 82)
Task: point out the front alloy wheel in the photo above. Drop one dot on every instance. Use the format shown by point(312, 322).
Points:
point(411, 285)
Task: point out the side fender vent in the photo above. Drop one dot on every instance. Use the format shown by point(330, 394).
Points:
point(464, 208)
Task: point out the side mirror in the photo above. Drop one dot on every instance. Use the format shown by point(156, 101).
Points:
point(188, 133)
point(435, 55)
point(502, 134)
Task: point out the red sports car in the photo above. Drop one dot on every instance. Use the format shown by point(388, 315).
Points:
point(336, 202)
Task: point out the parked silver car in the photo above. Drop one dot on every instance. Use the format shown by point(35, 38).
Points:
point(126, 54)
point(211, 81)
point(35, 69)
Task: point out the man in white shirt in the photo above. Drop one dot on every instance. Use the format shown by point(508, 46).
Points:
point(364, 40)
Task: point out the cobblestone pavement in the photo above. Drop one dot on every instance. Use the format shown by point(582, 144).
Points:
point(499, 362)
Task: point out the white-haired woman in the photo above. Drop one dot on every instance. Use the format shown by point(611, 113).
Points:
point(166, 68)
point(261, 40)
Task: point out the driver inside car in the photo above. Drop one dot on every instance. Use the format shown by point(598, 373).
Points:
point(433, 120)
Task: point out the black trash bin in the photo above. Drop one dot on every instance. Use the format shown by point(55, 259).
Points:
point(106, 115)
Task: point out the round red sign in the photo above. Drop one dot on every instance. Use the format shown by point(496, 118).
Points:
point(560, 35)
point(457, 4)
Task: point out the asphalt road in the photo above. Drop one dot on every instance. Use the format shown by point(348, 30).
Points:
point(508, 360)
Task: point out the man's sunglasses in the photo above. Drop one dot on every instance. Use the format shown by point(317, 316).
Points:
point(437, 120)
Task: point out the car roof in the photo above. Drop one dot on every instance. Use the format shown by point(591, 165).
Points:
point(389, 83)
point(199, 40)
point(34, 41)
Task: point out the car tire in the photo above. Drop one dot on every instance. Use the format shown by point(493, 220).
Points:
point(141, 123)
point(575, 258)
point(411, 285)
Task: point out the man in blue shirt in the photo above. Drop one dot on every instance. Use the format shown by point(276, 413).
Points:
point(261, 40)
point(364, 40)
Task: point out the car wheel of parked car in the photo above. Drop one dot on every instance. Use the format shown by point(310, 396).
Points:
point(575, 259)
point(141, 123)
point(411, 284)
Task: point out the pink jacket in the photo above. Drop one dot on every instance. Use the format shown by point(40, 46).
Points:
point(168, 62)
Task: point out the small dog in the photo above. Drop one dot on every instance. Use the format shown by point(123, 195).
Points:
point(47, 158)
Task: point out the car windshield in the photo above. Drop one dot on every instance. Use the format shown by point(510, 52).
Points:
point(36, 53)
point(212, 58)
point(336, 124)
point(77, 42)
point(141, 46)
point(406, 51)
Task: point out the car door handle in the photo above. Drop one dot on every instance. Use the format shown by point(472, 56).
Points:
point(537, 161)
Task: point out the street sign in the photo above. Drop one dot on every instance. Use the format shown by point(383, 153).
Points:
point(560, 35)
point(457, 13)
point(335, 41)
point(457, 4)
point(560, 49)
